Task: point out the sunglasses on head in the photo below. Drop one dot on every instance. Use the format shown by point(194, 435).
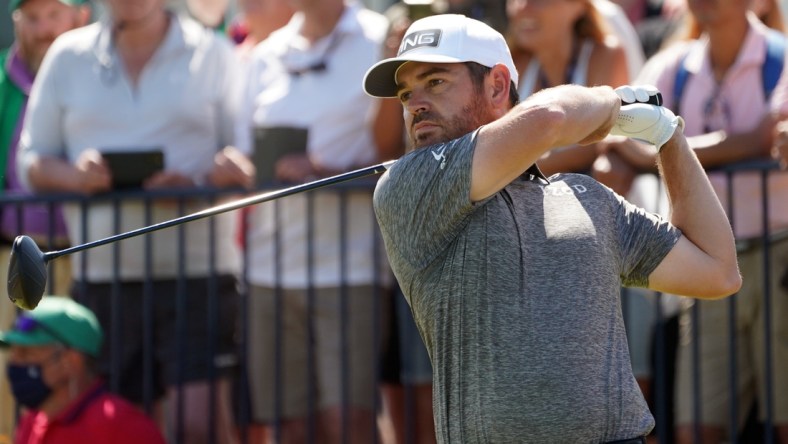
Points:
point(26, 324)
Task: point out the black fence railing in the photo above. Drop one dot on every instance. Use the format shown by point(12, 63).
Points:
point(714, 376)
point(665, 331)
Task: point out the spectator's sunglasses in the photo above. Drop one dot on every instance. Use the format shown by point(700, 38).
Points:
point(27, 324)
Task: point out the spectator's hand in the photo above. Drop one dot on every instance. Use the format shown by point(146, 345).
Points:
point(296, 168)
point(94, 175)
point(167, 179)
point(638, 120)
point(780, 145)
point(232, 168)
point(764, 136)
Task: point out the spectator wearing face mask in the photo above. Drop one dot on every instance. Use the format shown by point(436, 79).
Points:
point(52, 372)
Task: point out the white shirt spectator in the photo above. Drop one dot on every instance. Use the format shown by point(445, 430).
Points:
point(338, 119)
point(184, 103)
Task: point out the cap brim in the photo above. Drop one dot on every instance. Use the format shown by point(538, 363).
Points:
point(380, 80)
point(13, 337)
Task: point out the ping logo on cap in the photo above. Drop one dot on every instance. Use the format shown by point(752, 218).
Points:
point(426, 37)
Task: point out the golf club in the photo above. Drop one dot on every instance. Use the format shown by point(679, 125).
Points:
point(27, 272)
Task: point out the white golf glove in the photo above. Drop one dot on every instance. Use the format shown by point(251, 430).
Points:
point(640, 120)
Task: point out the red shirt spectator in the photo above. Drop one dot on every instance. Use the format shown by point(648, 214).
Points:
point(97, 416)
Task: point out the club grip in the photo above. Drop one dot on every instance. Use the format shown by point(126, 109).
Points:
point(656, 99)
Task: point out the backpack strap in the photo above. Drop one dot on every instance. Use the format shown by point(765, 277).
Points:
point(773, 64)
point(680, 82)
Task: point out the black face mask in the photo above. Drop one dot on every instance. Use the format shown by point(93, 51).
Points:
point(27, 385)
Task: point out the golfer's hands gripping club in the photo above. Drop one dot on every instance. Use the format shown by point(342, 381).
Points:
point(643, 117)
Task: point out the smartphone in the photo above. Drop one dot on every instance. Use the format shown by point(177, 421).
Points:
point(130, 167)
point(271, 144)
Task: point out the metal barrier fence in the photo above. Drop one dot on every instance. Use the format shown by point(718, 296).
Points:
point(677, 345)
point(180, 200)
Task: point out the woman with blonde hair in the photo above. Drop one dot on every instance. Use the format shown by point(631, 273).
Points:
point(555, 42)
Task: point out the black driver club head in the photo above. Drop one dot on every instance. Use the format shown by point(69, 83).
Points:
point(27, 273)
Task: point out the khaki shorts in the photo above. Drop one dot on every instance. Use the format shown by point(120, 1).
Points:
point(281, 384)
point(714, 358)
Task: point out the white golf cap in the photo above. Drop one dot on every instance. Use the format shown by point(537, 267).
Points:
point(445, 38)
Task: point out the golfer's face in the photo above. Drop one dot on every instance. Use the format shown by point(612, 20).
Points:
point(439, 100)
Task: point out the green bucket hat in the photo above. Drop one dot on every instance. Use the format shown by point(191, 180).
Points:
point(56, 320)
point(13, 5)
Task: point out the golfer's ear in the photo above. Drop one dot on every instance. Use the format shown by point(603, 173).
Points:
point(499, 83)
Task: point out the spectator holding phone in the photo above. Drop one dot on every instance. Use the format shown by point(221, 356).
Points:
point(303, 92)
point(142, 78)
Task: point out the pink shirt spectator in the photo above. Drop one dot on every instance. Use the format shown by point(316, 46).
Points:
point(735, 105)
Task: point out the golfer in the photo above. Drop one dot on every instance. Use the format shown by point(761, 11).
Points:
point(514, 279)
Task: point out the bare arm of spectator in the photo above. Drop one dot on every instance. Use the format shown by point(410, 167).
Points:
point(717, 148)
point(89, 175)
point(712, 149)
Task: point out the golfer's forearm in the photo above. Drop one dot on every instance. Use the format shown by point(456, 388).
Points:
point(589, 113)
point(553, 118)
point(695, 208)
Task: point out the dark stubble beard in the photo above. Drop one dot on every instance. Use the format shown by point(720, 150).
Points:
point(473, 115)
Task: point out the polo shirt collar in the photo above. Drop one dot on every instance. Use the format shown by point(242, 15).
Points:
point(76, 408)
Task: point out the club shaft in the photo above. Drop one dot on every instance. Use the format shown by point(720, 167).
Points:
point(229, 206)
